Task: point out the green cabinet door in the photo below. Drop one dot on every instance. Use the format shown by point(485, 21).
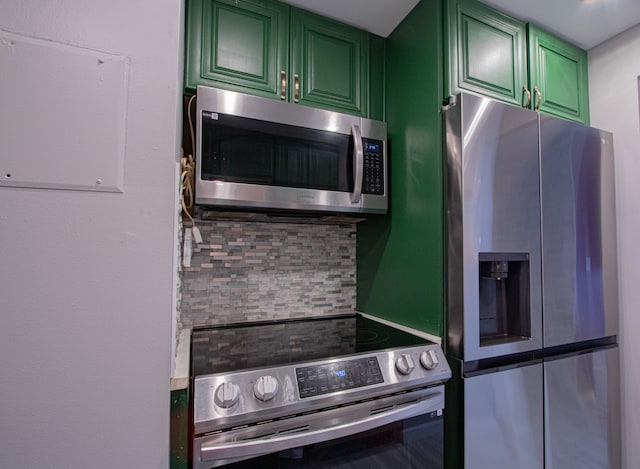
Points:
point(558, 70)
point(269, 49)
point(241, 46)
point(329, 64)
point(487, 52)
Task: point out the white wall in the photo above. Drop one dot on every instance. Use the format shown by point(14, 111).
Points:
point(86, 278)
point(614, 68)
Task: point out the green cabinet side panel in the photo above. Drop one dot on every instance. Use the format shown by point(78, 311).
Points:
point(242, 46)
point(400, 254)
point(179, 432)
point(377, 52)
point(559, 70)
point(487, 51)
point(331, 61)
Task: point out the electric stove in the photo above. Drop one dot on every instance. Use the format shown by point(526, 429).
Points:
point(263, 387)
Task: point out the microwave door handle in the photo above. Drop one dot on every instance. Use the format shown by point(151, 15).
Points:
point(358, 163)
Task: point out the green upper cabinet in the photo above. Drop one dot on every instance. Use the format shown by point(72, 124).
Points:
point(330, 61)
point(558, 71)
point(241, 46)
point(269, 49)
point(487, 52)
point(495, 55)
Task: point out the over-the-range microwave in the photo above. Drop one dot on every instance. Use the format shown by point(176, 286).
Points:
point(256, 153)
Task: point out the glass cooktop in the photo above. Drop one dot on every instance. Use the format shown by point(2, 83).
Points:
point(221, 349)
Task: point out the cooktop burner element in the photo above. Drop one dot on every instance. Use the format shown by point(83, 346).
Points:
point(368, 336)
point(268, 386)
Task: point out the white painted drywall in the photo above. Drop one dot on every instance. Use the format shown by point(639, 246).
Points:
point(83, 151)
point(86, 278)
point(614, 68)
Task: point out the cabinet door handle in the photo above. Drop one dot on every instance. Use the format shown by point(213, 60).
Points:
point(283, 85)
point(538, 93)
point(296, 88)
point(526, 91)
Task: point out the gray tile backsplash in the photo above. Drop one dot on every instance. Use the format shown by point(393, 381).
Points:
point(249, 271)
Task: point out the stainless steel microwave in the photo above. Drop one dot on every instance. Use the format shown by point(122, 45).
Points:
point(255, 153)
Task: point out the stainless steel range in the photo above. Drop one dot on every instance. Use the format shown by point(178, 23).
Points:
point(324, 392)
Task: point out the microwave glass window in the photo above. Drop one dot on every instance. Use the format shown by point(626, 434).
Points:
point(236, 149)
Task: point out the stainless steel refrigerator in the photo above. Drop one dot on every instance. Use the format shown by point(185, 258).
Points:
point(532, 296)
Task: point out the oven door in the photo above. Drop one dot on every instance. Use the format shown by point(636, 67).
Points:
point(404, 430)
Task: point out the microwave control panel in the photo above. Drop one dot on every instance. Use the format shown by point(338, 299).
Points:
point(373, 180)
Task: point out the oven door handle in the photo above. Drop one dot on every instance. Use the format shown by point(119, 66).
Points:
point(358, 164)
point(250, 448)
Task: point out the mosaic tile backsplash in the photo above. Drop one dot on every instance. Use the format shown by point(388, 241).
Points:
point(252, 271)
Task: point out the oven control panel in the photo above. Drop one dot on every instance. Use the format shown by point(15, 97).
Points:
point(228, 400)
point(338, 376)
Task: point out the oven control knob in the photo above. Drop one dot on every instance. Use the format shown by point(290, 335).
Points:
point(265, 388)
point(227, 395)
point(429, 359)
point(405, 364)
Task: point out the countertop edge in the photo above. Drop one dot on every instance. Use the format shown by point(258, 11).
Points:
point(180, 375)
point(410, 330)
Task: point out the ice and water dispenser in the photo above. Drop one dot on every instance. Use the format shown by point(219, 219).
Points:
point(504, 306)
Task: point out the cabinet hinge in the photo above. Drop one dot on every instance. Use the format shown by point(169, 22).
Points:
point(450, 102)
